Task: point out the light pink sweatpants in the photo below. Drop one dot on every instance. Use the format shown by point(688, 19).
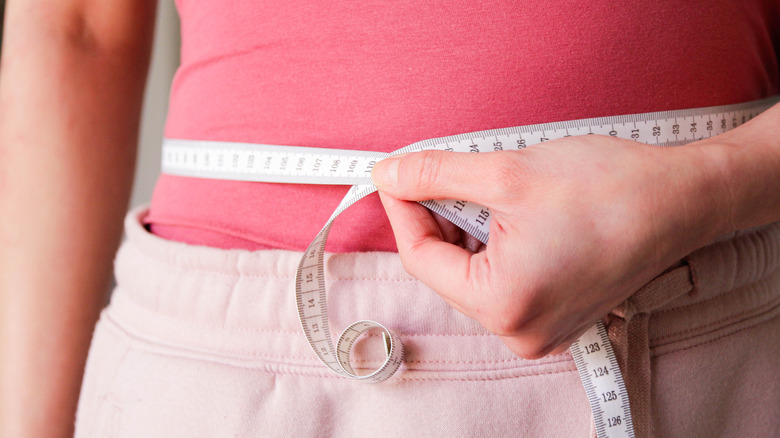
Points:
point(205, 342)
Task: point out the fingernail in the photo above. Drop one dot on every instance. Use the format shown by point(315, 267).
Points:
point(385, 172)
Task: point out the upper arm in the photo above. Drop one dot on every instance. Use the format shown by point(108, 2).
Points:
point(102, 26)
point(73, 71)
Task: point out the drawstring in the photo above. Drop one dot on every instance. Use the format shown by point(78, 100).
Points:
point(627, 326)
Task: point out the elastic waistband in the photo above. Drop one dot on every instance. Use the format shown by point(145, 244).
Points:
point(239, 306)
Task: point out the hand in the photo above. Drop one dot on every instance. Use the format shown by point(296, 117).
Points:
point(577, 225)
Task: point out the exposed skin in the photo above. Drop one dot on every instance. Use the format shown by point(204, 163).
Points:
point(71, 86)
point(71, 83)
point(577, 224)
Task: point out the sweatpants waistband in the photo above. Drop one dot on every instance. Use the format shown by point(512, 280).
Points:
point(239, 306)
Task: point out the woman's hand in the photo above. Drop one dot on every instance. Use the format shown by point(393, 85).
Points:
point(577, 225)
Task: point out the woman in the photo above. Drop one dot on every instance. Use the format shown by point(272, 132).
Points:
point(579, 225)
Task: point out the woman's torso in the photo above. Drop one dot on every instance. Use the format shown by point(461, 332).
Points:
point(381, 75)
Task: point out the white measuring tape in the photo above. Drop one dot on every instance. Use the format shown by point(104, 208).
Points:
point(592, 353)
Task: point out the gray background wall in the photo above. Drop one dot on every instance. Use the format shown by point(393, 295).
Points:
point(165, 59)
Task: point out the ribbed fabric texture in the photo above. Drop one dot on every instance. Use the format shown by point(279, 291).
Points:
point(206, 342)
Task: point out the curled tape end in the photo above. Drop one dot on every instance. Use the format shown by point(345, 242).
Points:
point(394, 351)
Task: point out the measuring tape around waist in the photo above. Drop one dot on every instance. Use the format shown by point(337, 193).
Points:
point(592, 353)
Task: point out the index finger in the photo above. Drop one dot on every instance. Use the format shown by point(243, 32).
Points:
point(483, 178)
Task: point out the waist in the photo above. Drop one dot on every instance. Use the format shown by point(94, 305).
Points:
point(225, 212)
point(254, 216)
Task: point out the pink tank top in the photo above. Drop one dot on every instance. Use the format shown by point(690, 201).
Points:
point(357, 74)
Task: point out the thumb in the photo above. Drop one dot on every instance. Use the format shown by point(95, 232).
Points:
point(423, 175)
point(442, 266)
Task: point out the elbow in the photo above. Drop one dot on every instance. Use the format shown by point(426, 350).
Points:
point(97, 27)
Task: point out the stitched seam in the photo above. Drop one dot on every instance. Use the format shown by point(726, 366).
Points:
point(280, 370)
point(422, 379)
point(156, 314)
point(250, 353)
point(165, 261)
point(731, 318)
point(718, 296)
point(270, 368)
point(142, 338)
point(718, 338)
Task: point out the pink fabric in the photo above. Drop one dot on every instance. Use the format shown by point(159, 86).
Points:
point(205, 342)
point(380, 75)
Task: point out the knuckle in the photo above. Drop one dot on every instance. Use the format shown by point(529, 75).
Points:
point(421, 169)
point(507, 318)
point(515, 305)
point(508, 170)
point(405, 263)
point(509, 176)
point(502, 324)
point(406, 256)
point(517, 309)
point(535, 350)
point(411, 259)
point(528, 347)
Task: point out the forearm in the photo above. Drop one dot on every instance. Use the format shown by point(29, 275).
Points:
point(70, 97)
point(745, 173)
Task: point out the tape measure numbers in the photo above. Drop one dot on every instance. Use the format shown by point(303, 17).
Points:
point(592, 353)
point(603, 382)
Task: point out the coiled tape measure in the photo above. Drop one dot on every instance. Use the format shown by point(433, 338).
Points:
point(592, 353)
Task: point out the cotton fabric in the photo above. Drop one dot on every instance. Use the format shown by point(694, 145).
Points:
point(369, 75)
point(205, 342)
